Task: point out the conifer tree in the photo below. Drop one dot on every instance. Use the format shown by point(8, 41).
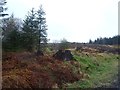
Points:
point(42, 27)
point(11, 34)
point(30, 31)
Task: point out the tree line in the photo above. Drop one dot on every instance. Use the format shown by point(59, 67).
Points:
point(2, 8)
point(29, 34)
point(115, 40)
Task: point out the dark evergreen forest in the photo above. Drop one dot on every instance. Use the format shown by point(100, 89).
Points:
point(115, 40)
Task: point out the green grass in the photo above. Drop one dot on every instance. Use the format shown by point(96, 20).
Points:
point(101, 69)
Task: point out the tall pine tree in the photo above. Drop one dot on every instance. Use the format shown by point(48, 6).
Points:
point(29, 35)
point(42, 27)
point(34, 31)
point(11, 34)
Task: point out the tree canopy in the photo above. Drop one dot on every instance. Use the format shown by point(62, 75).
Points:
point(2, 8)
point(30, 36)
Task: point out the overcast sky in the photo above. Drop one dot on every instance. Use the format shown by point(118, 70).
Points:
point(75, 20)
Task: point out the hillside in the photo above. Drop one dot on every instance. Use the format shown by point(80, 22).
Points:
point(92, 68)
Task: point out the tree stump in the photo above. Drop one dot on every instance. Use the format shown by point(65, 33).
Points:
point(68, 55)
point(63, 55)
point(59, 55)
